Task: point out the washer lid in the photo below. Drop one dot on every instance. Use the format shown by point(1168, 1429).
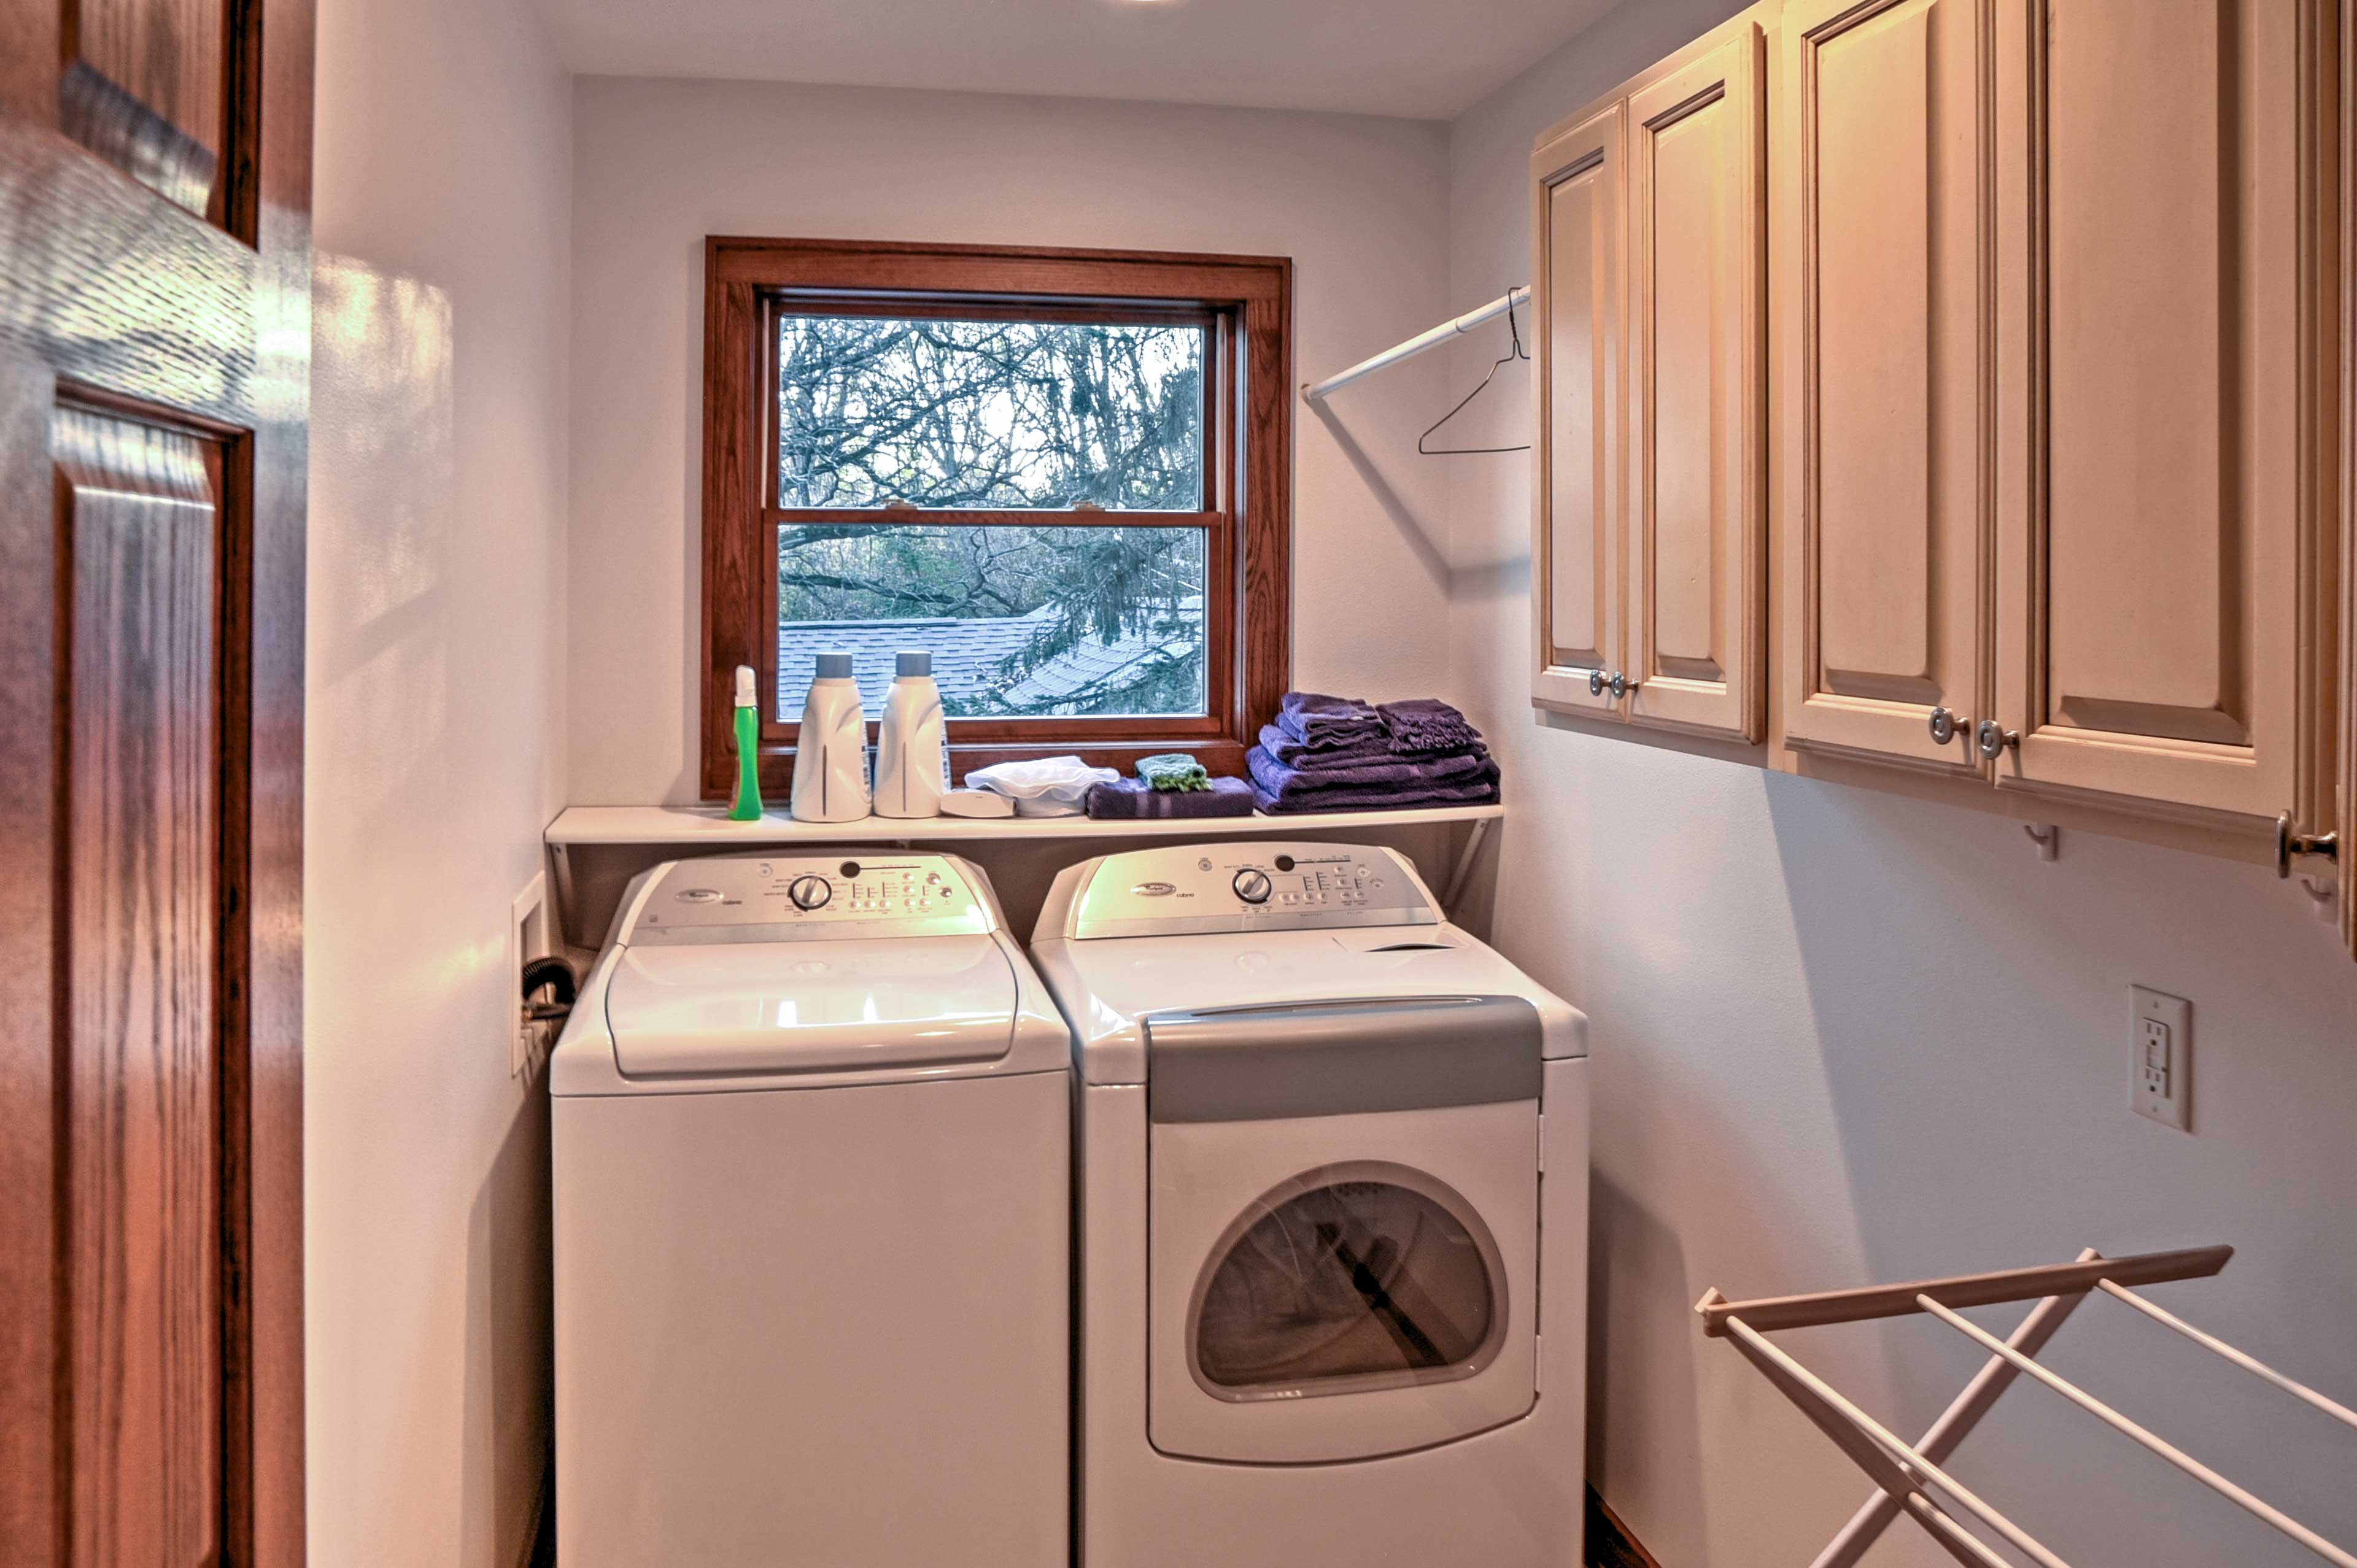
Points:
point(749, 1009)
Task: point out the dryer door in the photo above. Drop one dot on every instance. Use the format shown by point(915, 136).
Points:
point(1342, 1286)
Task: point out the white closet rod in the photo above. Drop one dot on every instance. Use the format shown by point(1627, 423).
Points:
point(1512, 299)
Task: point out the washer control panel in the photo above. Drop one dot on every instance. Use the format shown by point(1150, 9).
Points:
point(771, 898)
point(1244, 887)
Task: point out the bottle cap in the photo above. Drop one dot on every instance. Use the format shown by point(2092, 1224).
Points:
point(908, 662)
point(745, 695)
point(835, 666)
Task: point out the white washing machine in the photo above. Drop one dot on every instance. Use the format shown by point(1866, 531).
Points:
point(812, 1210)
point(1333, 1228)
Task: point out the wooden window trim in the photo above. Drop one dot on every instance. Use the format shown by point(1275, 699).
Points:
point(1247, 303)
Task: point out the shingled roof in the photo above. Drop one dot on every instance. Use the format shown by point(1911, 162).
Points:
point(967, 653)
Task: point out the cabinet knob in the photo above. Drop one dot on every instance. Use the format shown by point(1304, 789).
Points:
point(1995, 739)
point(2291, 843)
point(1596, 682)
point(1621, 685)
point(1946, 727)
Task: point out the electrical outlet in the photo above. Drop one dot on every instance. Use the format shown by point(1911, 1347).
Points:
point(2161, 1057)
point(528, 939)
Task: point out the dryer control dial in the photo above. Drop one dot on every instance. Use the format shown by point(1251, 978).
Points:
point(1252, 886)
point(809, 892)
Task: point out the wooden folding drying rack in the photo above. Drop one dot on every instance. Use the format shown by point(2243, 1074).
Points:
point(1911, 1478)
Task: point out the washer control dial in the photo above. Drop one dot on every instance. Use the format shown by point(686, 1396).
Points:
point(810, 892)
point(1252, 886)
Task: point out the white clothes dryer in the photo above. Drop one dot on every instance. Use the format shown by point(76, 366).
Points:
point(1333, 1218)
point(811, 1199)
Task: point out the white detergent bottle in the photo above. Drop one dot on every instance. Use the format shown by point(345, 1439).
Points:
point(831, 748)
point(912, 754)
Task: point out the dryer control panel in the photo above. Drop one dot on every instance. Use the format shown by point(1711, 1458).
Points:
point(773, 899)
point(1244, 887)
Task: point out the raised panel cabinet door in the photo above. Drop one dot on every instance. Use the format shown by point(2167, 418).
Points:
point(2166, 369)
point(1697, 526)
point(1578, 541)
point(1884, 295)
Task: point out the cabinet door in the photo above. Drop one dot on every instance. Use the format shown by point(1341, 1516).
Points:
point(1883, 296)
point(1696, 517)
point(2165, 474)
point(1577, 545)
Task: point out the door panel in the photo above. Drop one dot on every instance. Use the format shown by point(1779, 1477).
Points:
point(1577, 540)
point(2166, 347)
point(146, 87)
point(1888, 421)
point(140, 514)
point(154, 370)
point(1695, 515)
point(1214, 1181)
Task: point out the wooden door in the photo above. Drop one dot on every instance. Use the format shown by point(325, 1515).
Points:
point(154, 338)
point(1697, 527)
point(2165, 266)
point(1885, 294)
point(1578, 552)
point(2340, 815)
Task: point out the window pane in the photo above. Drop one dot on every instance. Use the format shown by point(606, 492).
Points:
point(988, 414)
point(1019, 621)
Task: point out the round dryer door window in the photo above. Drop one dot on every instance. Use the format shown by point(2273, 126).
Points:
point(1345, 1279)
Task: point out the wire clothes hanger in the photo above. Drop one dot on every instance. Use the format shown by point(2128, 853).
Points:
point(1516, 352)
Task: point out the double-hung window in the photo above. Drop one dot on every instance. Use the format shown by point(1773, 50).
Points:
point(1065, 474)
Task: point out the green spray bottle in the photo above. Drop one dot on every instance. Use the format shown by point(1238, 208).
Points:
point(748, 808)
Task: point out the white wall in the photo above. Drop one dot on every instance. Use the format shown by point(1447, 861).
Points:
point(436, 736)
point(1842, 1038)
point(661, 164)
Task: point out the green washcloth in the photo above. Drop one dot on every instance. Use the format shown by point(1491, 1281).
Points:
point(1173, 770)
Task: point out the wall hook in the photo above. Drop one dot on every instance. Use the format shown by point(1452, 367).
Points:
point(2047, 837)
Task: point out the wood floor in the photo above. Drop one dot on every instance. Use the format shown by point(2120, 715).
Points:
point(1609, 1545)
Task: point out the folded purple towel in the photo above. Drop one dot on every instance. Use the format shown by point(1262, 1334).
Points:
point(1131, 799)
point(1296, 753)
point(1463, 781)
point(1393, 773)
point(1427, 724)
point(1317, 720)
point(1293, 754)
point(1375, 801)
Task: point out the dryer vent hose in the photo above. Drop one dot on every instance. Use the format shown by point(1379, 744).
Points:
point(549, 987)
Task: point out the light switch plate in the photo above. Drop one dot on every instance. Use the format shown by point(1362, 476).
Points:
point(2161, 1057)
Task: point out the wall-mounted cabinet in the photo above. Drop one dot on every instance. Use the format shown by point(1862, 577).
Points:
point(1651, 507)
point(2060, 440)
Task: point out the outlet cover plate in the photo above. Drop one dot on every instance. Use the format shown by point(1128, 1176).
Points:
point(2160, 1058)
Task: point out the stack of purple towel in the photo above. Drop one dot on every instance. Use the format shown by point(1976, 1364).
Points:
point(1337, 754)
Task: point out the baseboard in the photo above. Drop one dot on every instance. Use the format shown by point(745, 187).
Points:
point(1609, 1544)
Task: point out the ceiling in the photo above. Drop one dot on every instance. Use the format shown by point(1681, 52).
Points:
point(1422, 58)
